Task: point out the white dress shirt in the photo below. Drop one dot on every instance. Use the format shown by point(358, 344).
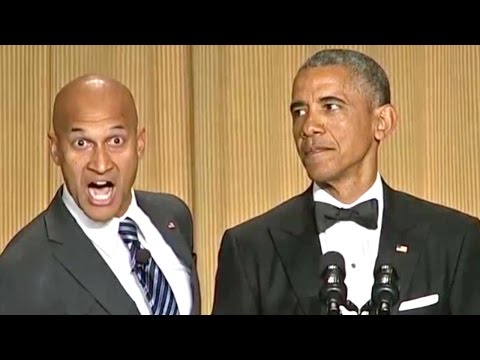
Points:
point(111, 247)
point(358, 245)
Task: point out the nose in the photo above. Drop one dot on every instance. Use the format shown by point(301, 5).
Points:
point(101, 162)
point(314, 124)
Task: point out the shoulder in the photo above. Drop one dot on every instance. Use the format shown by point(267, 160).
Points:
point(441, 216)
point(29, 274)
point(166, 206)
point(26, 259)
point(283, 212)
point(164, 200)
point(26, 243)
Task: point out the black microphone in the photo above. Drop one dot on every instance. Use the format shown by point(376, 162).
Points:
point(385, 290)
point(333, 291)
point(142, 256)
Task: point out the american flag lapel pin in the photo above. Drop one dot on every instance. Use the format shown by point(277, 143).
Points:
point(171, 225)
point(402, 249)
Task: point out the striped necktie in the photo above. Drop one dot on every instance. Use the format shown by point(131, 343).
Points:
point(156, 287)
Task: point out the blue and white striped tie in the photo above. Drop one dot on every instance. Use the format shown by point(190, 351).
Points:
point(156, 287)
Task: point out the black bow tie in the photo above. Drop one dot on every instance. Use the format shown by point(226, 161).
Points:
point(364, 214)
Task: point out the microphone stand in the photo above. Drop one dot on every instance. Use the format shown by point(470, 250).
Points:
point(333, 307)
point(382, 308)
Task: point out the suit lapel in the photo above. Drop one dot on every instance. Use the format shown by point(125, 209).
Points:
point(400, 241)
point(170, 230)
point(296, 241)
point(78, 256)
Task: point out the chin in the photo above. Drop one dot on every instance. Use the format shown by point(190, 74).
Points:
point(101, 215)
point(321, 175)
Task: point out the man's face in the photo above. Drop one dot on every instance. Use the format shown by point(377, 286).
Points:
point(98, 148)
point(333, 125)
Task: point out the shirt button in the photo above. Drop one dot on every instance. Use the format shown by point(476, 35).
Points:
point(354, 266)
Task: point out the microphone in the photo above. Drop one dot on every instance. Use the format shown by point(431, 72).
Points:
point(385, 290)
point(142, 256)
point(333, 291)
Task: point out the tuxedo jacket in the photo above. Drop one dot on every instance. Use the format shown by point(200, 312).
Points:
point(51, 267)
point(271, 263)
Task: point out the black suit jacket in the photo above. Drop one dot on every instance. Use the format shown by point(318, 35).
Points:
point(271, 264)
point(51, 267)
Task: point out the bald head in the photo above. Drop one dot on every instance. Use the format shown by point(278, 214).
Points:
point(87, 96)
point(96, 143)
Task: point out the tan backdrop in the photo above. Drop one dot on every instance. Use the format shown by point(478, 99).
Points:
point(218, 127)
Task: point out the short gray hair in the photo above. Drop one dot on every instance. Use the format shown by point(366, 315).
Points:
point(367, 70)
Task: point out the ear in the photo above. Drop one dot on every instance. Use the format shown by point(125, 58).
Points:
point(54, 153)
point(386, 121)
point(141, 142)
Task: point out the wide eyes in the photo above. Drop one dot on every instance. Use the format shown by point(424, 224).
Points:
point(116, 141)
point(82, 143)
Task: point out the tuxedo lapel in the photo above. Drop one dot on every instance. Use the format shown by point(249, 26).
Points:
point(296, 241)
point(295, 238)
point(78, 256)
point(400, 240)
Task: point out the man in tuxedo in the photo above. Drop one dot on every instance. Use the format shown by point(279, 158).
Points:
point(101, 247)
point(271, 264)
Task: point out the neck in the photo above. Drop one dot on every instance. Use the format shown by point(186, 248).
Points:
point(348, 190)
point(124, 207)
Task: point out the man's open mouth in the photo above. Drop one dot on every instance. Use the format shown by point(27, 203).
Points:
point(101, 192)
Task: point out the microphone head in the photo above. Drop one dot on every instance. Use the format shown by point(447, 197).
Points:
point(332, 267)
point(332, 260)
point(142, 256)
point(385, 288)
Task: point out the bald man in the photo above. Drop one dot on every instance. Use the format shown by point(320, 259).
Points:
point(101, 247)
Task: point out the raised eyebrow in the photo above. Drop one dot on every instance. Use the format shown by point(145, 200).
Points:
point(80, 130)
point(118, 127)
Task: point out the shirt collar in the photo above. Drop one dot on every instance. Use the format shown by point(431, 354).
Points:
point(83, 220)
point(374, 192)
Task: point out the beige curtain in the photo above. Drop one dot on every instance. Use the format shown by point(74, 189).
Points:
point(219, 130)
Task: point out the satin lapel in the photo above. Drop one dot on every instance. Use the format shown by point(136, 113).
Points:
point(400, 241)
point(78, 256)
point(296, 241)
